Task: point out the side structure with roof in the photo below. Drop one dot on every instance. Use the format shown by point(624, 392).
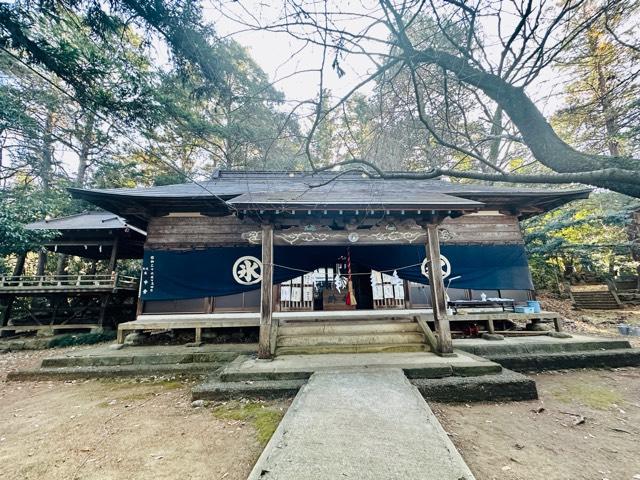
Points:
point(89, 300)
point(272, 248)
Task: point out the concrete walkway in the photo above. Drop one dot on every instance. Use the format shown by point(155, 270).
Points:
point(361, 425)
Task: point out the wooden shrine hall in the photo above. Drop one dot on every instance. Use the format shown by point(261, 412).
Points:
point(342, 255)
point(91, 300)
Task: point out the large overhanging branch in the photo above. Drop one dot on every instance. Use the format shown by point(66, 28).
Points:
point(547, 147)
point(589, 178)
point(615, 173)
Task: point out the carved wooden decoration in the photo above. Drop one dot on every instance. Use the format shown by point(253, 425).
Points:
point(407, 232)
point(202, 232)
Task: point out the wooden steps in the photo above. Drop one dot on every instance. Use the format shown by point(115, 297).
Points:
point(595, 300)
point(350, 337)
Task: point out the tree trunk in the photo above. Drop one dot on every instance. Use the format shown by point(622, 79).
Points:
point(604, 97)
point(47, 151)
point(545, 145)
point(85, 147)
point(19, 267)
point(42, 263)
point(63, 260)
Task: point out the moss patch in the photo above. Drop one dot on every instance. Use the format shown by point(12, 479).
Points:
point(593, 396)
point(263, 417)
point(170, 384)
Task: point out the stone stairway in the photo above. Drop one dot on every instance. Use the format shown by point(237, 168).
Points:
point(594, 300)
point(358, 336)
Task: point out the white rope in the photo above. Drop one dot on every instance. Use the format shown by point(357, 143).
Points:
point(391, 270)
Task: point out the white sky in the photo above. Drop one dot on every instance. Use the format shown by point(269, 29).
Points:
point(281, 55)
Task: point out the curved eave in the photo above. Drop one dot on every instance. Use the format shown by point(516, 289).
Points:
point(138, 209)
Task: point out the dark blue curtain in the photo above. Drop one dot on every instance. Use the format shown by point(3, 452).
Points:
point(172, 275)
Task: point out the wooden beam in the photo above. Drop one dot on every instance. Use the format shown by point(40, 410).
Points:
point(114, 256)
point(428, 334)
point(266, 293)
point(104, 303)
point(436, 285)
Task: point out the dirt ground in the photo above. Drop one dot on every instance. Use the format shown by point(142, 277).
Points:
point(586, 425)
point(121, 430)
point(593, 322)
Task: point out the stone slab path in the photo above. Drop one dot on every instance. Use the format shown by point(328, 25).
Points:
point(360, 425)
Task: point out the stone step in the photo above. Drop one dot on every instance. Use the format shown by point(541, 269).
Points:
point(377, 348)
point(350, 339)
point(492, 349)
point(124, 358)
point(300, 367)
point(215, 389)
point(506, 386)
point(116, 371)
point(597, 307)
point(596, 302)
point(603, 298)
point(599, 300)
point(341, 328)
point(502, 386)
point(523, 362)
point(592, 294)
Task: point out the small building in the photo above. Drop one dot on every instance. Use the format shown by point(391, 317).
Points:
point(91, 300)
point(262, 245)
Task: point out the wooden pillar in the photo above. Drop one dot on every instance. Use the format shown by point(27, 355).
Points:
point(140, 302)
point(266, 293)
point(104, 304)
point(436, 285)
point(114, 256)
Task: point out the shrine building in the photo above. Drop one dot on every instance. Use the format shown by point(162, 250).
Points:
point(270, 249)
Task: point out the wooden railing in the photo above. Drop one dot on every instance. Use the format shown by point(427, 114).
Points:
point(61, 282)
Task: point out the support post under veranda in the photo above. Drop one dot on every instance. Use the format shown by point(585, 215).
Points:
point(266, 293)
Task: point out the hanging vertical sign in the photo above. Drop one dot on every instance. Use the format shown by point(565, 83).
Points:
point(149, 277)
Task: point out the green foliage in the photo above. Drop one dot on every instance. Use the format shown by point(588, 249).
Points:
point(124, 121)
point(21, 206)
point(601, 108)
point(589, 236)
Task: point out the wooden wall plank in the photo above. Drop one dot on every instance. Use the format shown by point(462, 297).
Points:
point(201, 232)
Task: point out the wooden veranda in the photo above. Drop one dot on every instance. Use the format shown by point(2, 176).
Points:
point(62, 301)
point(66, 302)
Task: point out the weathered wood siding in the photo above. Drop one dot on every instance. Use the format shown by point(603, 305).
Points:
point(200, 232)
point(480, 229)
point(197, 232)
